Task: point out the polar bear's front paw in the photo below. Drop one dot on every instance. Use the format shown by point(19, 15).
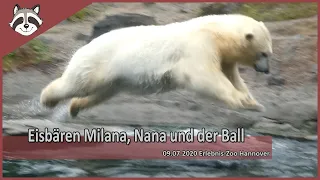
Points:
point(242, 100)
point(250, 103)
point(260, 108)
point(236, 100)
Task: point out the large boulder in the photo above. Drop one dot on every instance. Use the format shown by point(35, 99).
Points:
point(219, 8)
point(111, 22)
point(296, 113)
point(297, 119)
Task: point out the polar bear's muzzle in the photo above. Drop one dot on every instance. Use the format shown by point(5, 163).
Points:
point(262, 63)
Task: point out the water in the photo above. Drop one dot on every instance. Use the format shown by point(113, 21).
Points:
point(291, 158)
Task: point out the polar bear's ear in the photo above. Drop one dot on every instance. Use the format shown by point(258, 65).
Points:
point(249, 36)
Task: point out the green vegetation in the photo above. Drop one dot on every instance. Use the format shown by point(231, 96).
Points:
point(81, 15)
point(34, 52)
point(278, 11)
point(264, 11)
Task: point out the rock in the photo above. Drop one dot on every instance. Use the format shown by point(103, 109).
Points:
point(219, 8)
point(315, 78)
point(82, 37)
point(296, 119)
point(276, 80)
point(314, 71)
point(117, 21)
point(149, 3)
point(300, 114)
point(272, 128)
point(183, 11)
point(45, 40)
point(242, 69)
point(312, 138)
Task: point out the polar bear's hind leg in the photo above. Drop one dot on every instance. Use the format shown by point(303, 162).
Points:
point(54, 92)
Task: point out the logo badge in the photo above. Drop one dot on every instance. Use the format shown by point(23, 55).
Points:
point(26, 21)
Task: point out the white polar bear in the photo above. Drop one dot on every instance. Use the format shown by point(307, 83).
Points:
point(200, 55)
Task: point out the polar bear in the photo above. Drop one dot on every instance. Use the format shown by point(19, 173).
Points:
point(200, 55)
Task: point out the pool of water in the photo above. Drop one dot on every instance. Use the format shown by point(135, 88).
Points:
point(290, 158)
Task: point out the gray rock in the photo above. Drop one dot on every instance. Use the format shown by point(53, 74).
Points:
point(276, 80)
point(291, 119)
point(149, 3)
point(242, 69)
point(314, 78)
point(82, 37)
point(112, 22)
point(314, 71)
point(295, 113)
point(283, 130)
point(219, 8)
point(273, 128)
point(45, 40)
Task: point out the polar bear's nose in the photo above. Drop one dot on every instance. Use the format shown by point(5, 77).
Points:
point(259, 68)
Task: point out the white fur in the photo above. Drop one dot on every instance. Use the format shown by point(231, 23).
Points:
point(145, 50)
point(142, 55)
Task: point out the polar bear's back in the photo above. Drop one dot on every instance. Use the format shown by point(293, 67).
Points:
point(137, 50)
point(147, 50)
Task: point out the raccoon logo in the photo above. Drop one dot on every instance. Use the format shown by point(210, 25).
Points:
point(26, 21)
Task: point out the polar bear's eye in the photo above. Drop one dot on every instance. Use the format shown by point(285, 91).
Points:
point(264, 54)
point(249, 36)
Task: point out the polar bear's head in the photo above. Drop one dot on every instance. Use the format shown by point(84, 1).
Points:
point(259, 48)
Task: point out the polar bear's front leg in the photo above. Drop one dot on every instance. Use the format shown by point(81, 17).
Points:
point(215, 84)
point(232, 73)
